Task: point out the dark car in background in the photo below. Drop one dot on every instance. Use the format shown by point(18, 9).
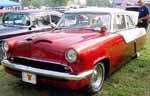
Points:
point(136, 8)
point(133, 8)
point(27, 21)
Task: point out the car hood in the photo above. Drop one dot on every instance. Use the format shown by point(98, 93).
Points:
point(9, 30)
point(66, 37)
point(52, 45)
point(5, 29)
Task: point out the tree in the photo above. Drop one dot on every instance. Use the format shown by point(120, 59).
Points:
point(101, 3)
point(38, 3)
point(57, 2)
point(35, 3)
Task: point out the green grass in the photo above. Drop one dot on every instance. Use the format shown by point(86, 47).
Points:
point(133, 79)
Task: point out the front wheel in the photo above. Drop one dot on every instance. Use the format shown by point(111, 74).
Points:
point(97, 79)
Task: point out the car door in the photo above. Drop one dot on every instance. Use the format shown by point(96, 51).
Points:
point(127, 32)
point(125, 50)
point(138, 36)
point(132, 36)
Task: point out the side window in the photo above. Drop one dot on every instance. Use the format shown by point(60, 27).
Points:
point(129, 21)
point(119, 22)
point(45, 20)
point(55, 19)
point(42, 20)
point(16, 19)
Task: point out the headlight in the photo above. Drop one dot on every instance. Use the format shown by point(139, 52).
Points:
point(71, 55)
point(4, 48)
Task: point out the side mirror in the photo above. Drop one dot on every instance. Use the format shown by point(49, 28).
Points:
point(103, 29)
point(28, 23)
point(32, 26)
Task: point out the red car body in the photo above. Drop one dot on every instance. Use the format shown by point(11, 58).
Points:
point(47, 51)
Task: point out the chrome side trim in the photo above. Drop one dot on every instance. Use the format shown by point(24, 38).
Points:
point(47, 73)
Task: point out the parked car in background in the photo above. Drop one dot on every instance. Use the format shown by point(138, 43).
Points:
point(27, 21)
point(61, 9)
point(87, 45)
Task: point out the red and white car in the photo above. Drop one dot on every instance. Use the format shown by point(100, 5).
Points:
point(87, 45)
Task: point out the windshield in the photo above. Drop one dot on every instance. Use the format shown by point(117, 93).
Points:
point(16, 19)
point(84, 20)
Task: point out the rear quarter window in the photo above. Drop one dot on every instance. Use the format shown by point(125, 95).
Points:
point(129, 22)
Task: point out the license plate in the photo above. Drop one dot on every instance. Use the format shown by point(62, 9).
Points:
point(29, 78)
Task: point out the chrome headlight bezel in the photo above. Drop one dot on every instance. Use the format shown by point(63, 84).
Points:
point(71, 55)
point(4, 48)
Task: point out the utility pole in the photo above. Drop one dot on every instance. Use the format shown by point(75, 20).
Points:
point(18, 0)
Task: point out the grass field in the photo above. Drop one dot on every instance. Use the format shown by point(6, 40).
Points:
point(133, 79)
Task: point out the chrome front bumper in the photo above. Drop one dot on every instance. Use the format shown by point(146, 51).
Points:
point(46, 73)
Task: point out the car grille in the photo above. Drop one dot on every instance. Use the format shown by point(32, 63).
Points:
point(40, 64)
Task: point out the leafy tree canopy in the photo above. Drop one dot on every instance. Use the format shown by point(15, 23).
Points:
point(52, 3)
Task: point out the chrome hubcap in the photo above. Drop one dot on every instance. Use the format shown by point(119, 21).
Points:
point(97, 77)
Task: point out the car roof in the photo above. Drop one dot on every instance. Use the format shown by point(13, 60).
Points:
point(96, 10)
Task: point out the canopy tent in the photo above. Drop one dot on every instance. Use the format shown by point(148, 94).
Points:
point(8, 3)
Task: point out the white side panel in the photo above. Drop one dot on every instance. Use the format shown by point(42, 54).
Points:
point(132, 34)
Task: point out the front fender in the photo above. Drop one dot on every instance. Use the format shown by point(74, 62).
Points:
point(100, 59)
